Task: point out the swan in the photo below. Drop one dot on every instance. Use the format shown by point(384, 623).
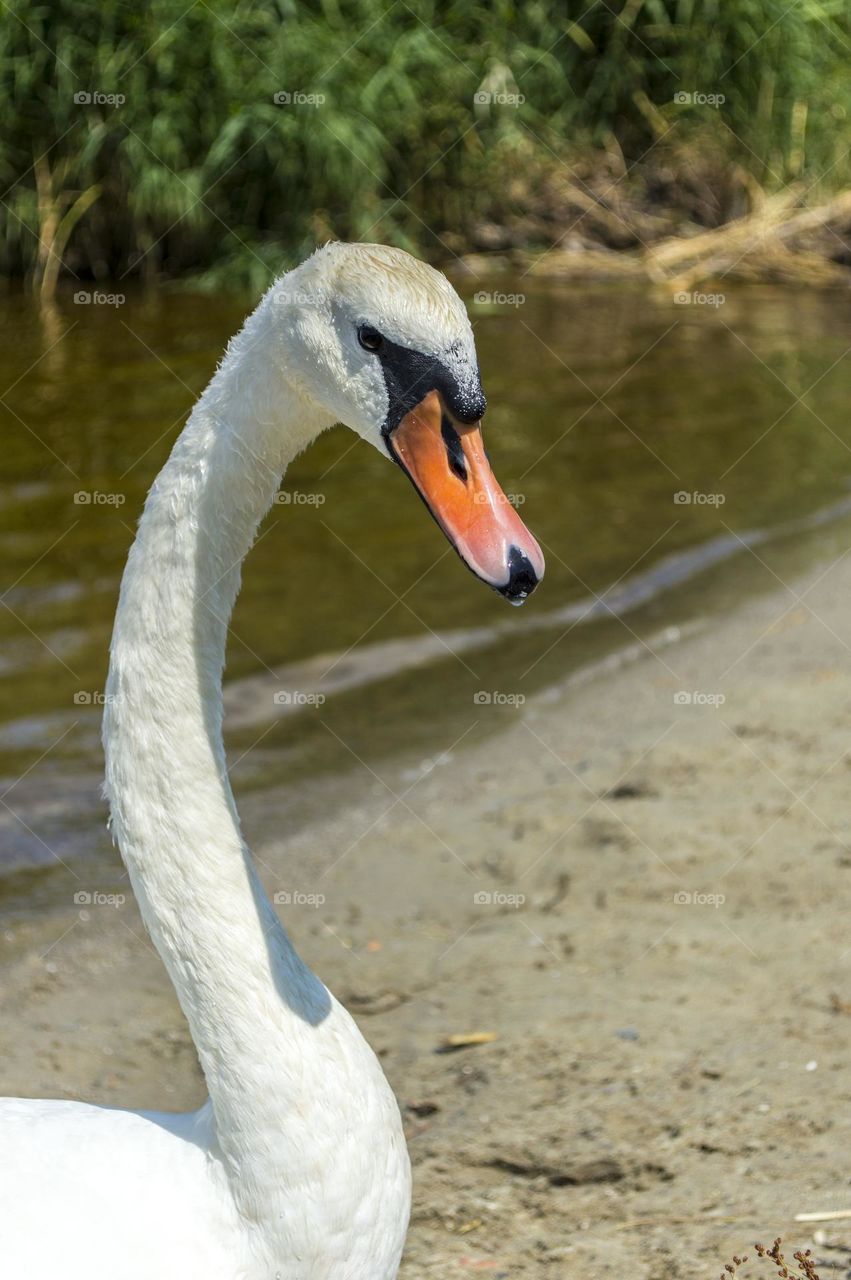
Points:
point(296, 1167)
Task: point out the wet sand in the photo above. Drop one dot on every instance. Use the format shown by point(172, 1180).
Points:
point(644, 899)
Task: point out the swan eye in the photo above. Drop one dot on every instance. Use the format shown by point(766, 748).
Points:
point(369, 338)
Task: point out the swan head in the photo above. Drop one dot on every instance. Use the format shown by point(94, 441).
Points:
point(382, 342)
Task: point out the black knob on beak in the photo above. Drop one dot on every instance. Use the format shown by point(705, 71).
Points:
point(522, 578)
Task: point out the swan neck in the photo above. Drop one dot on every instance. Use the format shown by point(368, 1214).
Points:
point(247, 996)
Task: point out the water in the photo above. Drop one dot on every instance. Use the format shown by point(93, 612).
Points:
point(606, 407)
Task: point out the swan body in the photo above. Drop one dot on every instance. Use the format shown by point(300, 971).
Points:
point(296, 1166)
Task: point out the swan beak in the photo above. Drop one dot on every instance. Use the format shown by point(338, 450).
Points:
point(447, 463)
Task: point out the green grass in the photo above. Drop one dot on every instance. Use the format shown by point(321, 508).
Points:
point(198, 170)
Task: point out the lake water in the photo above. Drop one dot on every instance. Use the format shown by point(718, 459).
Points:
point(640, 435)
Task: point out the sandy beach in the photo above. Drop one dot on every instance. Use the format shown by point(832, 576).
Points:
point(638, 891)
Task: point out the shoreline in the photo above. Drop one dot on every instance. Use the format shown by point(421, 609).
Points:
point(670, 1108)
point(778, 240)
point(656, 604)
point(586, 238)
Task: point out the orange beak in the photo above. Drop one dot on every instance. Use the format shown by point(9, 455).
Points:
point(447, 463)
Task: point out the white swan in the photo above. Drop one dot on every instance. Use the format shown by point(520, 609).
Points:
point(296, 1166)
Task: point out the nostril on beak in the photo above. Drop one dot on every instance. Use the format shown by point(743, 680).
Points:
point(522, 578)
point(454, 451)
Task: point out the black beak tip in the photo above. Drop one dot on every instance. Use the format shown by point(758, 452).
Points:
point(522, 578)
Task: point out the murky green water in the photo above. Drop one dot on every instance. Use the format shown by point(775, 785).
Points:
point(604, 405)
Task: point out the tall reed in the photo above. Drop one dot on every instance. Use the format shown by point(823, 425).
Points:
point(159, 138)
